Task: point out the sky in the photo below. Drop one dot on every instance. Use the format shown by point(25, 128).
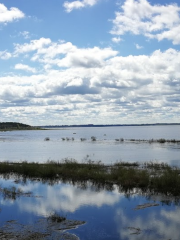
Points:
point(89, 61)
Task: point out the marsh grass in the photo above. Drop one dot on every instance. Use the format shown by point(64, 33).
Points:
point(151, 176)
point(161, 140)
point(157, 166)
point(121, 140)
point(83, 139)
point(47, 139)
point(93, 138)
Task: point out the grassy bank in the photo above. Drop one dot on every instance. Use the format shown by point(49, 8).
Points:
point(152, 177)
point(12, 126)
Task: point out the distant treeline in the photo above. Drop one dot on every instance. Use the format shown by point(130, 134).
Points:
point(108, 125)
point(15, 126)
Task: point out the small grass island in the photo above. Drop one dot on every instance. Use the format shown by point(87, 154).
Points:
point(10, 126)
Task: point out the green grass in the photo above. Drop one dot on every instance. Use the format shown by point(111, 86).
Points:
point(154, 177)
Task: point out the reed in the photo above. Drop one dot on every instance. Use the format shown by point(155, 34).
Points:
point(156, 177)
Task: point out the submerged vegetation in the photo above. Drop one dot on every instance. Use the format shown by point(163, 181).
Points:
point(161, 140)
point(132, 140)
point(149, 177)
point(51, 227)
point(54, 217)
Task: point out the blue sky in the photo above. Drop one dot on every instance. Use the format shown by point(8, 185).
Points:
point(89, 61)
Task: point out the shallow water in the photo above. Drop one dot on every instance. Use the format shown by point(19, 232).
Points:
point(108, 214)
point(30, 145)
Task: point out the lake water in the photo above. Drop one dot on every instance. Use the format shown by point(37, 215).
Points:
point(30, 145)
point(108, 214)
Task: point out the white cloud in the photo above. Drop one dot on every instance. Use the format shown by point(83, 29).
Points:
point(9, 15)
point(53, 50)
point(139, 17)
point(88, 58)
point(66, 54)
point(116, 39)
point(138, 46)
point(25, 34)
point(32, 46)
point(70, 6)
point(90, 84)
point(5, 55)
point(20, 66)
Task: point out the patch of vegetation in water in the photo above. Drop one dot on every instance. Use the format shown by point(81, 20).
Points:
point(54, 217)
point(150, 176)
point(44, 228)
point(161, 140)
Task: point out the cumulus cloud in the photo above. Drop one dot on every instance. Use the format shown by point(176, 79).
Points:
point(70, 6)
point(138, 46)
point(139, 17)
point(21, 66)
point(5, 55)
point(9, 15)
point(65, 54)
point(116, 39)
point(25, 34)
point(91, 83)
point(32, 46)
point(86, 57)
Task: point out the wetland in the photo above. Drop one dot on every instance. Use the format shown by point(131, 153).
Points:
point(118, 183)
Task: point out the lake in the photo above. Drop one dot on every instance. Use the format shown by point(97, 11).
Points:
point(107, 214)
point(30, 145)
point(92, 212)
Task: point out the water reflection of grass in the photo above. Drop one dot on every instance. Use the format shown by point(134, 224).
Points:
point(13, 193)
point(151, 176)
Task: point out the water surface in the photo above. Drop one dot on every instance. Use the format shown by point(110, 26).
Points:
point(30, 145)
point(108, 214)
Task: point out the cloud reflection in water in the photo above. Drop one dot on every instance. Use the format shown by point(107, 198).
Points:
point(154, 223)
point(67, 198)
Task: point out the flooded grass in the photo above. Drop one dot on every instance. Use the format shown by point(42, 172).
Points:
point(156, 177)
point(133, 140)
point(161, 140)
